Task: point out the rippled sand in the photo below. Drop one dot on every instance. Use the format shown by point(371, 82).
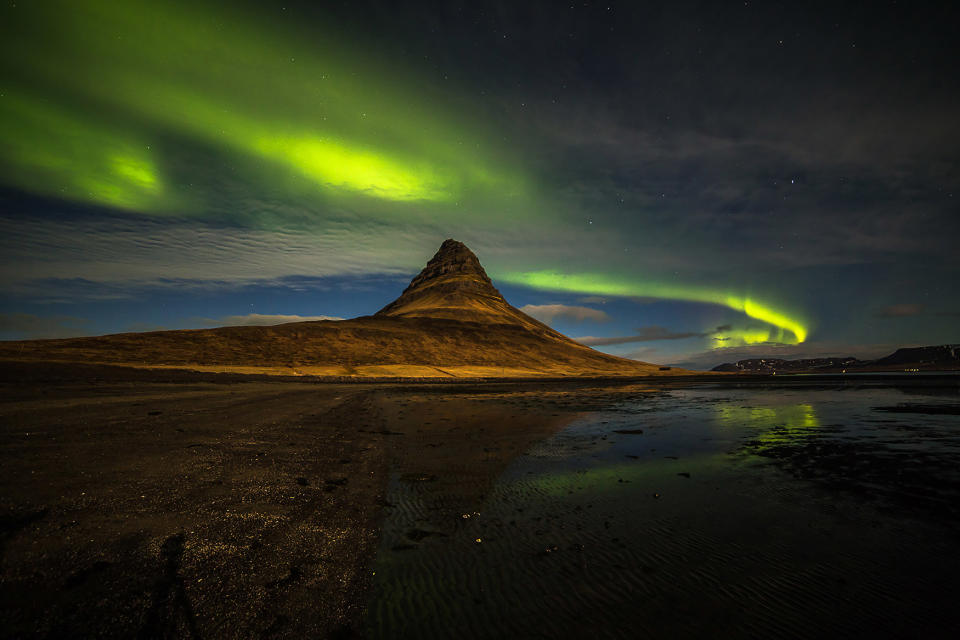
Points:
point(704, 512)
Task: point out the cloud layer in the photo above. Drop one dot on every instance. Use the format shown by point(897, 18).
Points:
point(550, 312)
point(260, 320)
point(27, 325)
point(648, 334)
point(709, 359)
point(900, 311)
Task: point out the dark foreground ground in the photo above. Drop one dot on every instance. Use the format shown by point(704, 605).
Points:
point(230, 509)
point(181, 505)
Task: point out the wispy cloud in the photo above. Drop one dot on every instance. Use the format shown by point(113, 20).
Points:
point(646, 354)
point(259, 319)
point(115, 254)
point(17, 326)
point(647, 334)
point(150, 251)
point(900, 311)
point(714, 357)
point(549, 312)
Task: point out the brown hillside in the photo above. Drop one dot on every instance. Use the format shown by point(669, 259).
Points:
point(450, 322)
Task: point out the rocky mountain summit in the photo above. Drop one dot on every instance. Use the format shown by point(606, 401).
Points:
point(455, 286)
point(453, 281)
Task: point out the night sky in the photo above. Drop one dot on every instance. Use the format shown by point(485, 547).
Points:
point(682, 183)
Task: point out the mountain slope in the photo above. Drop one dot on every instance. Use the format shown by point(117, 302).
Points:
point(450, 322)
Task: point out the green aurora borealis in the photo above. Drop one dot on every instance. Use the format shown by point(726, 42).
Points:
point(176, 69)
point(50, 150)
point(576, 171)
point(605, 285)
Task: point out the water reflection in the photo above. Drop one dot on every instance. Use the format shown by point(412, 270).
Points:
point(715, 512)
point(779, 424)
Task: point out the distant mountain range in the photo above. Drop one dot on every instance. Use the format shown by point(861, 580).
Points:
point(945, 357)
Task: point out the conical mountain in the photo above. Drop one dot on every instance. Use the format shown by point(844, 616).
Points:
point(450, 322)
point(455, 286)
point(452, 285)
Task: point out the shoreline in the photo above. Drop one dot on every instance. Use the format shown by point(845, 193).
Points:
point(37, 371)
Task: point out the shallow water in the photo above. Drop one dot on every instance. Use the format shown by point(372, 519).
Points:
point(803, 511)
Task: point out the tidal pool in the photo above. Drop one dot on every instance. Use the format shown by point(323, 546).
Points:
point(796, 510)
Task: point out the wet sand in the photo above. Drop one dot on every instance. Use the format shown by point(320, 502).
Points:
point(193, 508)
point(794, 511)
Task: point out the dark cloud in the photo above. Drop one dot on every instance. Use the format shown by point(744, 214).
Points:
point(18, 326)
point(708, 359)
point(258, 319)
point(647, 334)
point(646, 354)
point(549, 312)
point(900, 311)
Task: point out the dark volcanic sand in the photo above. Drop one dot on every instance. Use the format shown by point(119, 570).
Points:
point(185, 510)
point(218, 510)
point(179, 509)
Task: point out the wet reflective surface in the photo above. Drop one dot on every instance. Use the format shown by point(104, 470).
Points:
point(796, 511)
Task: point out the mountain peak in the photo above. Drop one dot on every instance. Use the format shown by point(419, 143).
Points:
point(453, 261)
point(452, 285)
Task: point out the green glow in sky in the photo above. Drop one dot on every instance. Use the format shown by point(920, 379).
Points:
point(342, 166)
point(51, 150)
point(153, 106)
point(231, 81)
point(599, 284)
point(740, 337)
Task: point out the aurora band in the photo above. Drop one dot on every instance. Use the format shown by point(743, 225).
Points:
point(598, 284)
point(99, 117)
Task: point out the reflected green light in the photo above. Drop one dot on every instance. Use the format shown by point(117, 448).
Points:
point(598, 284)
point(780, 424)
point(774, 425)
point(794, 415)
